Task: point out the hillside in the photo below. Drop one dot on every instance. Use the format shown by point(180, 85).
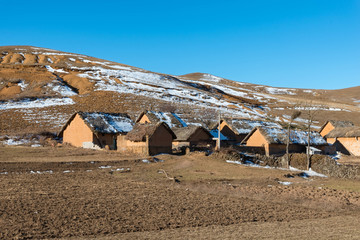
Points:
point(40, 88)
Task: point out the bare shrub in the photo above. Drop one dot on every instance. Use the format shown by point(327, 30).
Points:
point(231, 154)
point(271, 161)
point(330, 167)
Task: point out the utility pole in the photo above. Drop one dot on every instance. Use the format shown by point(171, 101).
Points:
point(219, 133)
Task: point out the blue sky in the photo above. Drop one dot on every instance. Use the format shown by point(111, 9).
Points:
point(283, 43)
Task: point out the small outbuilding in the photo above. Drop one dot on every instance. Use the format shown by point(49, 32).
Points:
point(147, 139)
point(332, 124)
point(95, 129)
point(274, 140)
point(236, 129)
point(193, 137)
point(346, 140)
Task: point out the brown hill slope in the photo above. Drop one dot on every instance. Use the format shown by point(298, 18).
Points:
point(40, 88)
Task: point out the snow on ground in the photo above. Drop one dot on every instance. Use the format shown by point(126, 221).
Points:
point(15, 142)
point(315, 108)
point(22, 85)
point(309, 173)
point(52, 70)
point(39, 172)
point(212, 78)
point(308, 91)
point(61, 88)
point(57, 54)
point(163, 88)
point(37, 103)
point(104, 167)
point(285, 183)
point(273, 90)
point(119, 67)
point(53, 119)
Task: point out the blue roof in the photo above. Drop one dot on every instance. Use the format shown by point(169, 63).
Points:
point(215, 134)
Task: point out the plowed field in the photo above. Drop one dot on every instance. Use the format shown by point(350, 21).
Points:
point(131, 199)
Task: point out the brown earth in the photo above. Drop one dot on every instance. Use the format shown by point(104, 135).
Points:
point(103, 194)
point(28, 64)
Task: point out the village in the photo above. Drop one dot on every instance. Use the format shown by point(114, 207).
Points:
point(155, 132)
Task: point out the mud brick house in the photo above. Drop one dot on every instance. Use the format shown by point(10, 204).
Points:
point(95, 129)
point(235, 129)
point(192, 136)
point(274, 140)
point(171, 119)
point(332, 124)
point(345, 139)
point(147, 139)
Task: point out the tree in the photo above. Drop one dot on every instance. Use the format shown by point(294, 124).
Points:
point(310, 113)
point(294, 116)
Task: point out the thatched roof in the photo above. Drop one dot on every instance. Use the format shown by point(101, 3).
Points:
point(140, 131)
point(337, 124)
point(100, 122)
point(279, 136)
point(244, 126)
point(170, 118)
point(344, 132)
point(185, 133)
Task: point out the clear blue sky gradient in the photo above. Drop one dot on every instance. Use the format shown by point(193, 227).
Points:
point(283, 43)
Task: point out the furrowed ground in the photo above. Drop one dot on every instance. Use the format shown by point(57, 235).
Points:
point(76, 193)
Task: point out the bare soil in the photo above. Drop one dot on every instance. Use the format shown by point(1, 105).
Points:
point(57, 194)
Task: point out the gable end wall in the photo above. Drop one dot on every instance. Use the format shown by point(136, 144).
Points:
point(77, 132)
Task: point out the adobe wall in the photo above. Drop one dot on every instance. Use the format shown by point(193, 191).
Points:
point(124, 145)
point(256, 140)
point(144, 119)
point(77, 132)
point(352, 145)
point(281, 149)
point(248, 149)
point(329, 127)
point(176, 144)
point(160, 141)
point(331, 140)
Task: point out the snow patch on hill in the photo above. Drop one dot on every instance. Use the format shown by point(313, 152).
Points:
point(35, 103)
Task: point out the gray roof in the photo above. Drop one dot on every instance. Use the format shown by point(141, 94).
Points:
point(344, 132)
point(100, 122)
point(338, 124)
point(185, 133)
point(140, 131)
point(279, 136)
